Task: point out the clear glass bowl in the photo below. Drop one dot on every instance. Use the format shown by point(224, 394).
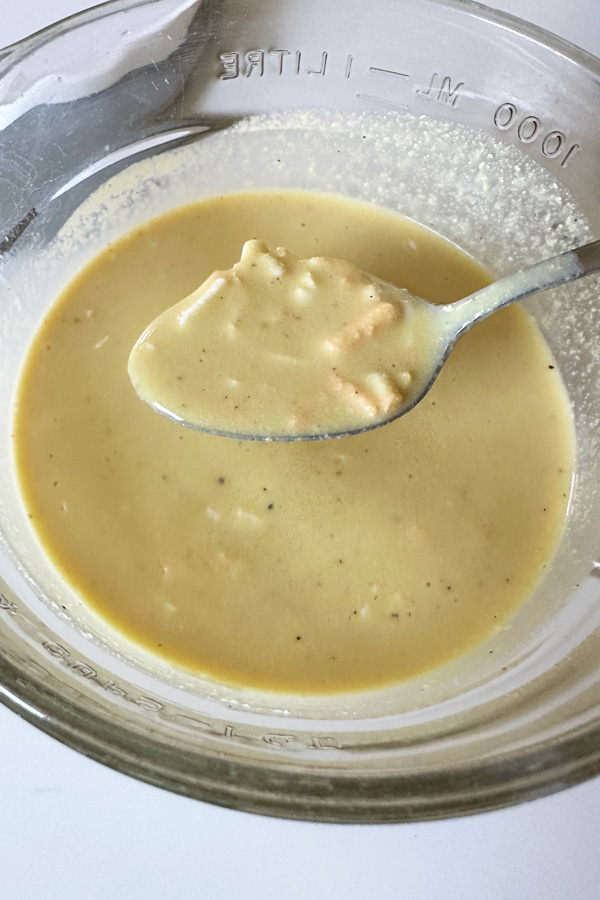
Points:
point(81, 101)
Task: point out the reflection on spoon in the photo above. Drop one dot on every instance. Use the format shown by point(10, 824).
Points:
point(280, 348)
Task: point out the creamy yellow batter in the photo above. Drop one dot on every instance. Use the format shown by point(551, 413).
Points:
point(283, 346)
point(311, 567)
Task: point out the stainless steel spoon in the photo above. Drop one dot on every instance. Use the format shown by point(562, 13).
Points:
point(445, 325)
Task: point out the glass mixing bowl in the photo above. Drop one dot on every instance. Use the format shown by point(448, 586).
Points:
point(83, 100)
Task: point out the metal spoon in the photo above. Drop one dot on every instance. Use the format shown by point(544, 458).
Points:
point(445, 324)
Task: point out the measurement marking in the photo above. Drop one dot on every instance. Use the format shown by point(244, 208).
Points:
point(528, 130)
point(440, 89)
point(279, 54)
point(573, 150)
point(323, 67)
point(7, 605)
point(382, 100)
point(388, 72)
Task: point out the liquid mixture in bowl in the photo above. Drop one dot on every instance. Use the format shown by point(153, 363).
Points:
point(316, 567)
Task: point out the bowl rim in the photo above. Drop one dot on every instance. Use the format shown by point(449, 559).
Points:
point(511, 22)
point(299, 792)
point(282, 789)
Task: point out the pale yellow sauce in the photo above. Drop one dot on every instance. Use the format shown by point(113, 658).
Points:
point(311, 567)
point(283, 346)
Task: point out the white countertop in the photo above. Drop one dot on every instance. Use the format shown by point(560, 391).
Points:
point(71, 828)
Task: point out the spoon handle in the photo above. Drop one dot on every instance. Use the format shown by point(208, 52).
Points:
point(542, 276)
point(589, 257)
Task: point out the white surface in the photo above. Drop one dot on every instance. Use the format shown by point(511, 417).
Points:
point(73, 829)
